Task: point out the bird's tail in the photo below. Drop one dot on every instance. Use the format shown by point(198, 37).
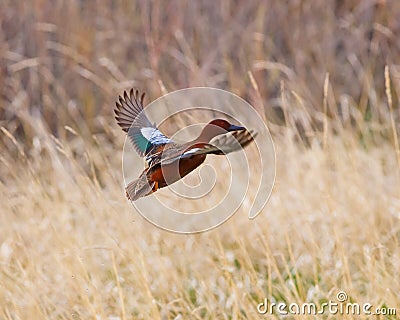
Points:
point(140, 187)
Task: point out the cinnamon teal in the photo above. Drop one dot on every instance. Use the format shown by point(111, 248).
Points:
point(167, 161)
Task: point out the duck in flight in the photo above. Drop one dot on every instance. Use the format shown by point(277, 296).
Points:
point(167, 161)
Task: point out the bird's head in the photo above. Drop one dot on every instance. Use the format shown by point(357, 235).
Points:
point(217, 127)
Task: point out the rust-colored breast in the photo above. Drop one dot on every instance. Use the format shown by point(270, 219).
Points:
point(170, 173)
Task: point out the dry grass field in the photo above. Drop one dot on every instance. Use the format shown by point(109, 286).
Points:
point(73, 247)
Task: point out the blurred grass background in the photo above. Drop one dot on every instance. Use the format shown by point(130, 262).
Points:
point(72, 246)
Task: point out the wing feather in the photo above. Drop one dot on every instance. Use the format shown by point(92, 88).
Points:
point(221, 145)
point(130, 116)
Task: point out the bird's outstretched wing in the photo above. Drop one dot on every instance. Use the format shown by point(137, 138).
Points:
point(132, 119)
point(220, 145)
point(234, 141)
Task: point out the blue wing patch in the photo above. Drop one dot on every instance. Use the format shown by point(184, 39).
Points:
point(131, 118)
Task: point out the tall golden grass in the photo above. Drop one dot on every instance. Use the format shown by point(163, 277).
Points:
point(324, 74)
